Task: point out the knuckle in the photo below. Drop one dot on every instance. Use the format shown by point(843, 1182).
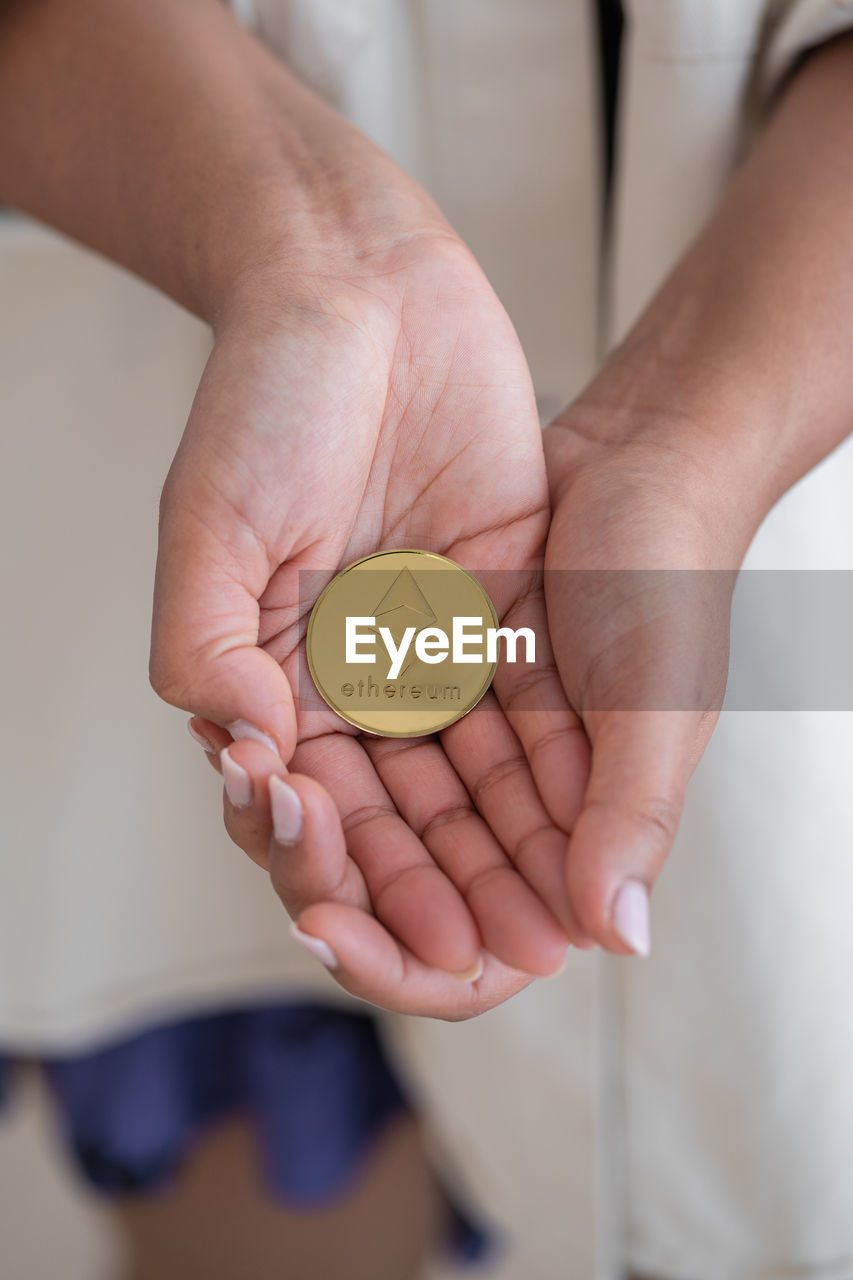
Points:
point(527, 686)
point(572, 734)
point(486, 875)
point(661, 815)
point(453, 814)
point(656, 813)
point(494, 775)
point(366, 814)
point(531, 847)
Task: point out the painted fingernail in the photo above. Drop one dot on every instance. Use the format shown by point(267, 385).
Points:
point(472, 974)
point(243, 729)
point(631, 916)
point(286, 811)
point(316, 946)
point(238, 784)
point(202, 741)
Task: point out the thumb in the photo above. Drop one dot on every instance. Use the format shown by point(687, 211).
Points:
point(205, 656)
point(641, 763)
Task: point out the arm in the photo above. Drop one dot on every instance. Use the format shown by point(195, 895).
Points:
point(363, 377)
point(167, 138)
point(734, 382)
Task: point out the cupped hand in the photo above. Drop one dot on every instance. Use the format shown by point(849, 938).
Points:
point(289, 825)
point(640, 567)
point(385, 407)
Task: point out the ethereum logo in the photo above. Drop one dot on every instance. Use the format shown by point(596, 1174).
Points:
point(404, 605)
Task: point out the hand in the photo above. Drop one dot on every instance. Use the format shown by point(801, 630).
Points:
point(640, 568)
point(390, 407)
point(322, 887)
point(731, 385)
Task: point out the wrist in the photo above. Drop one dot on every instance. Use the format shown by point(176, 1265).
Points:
point(705, 386)
point(704, 446)
point(318, 202)
point(739, 367)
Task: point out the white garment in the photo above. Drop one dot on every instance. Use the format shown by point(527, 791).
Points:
point(691, 1114)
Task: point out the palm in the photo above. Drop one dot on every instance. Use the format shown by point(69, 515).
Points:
point(400, 413)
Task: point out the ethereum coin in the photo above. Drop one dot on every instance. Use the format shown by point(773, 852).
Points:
point(399, 643)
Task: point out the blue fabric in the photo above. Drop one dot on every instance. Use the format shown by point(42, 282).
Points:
point(314, 1079)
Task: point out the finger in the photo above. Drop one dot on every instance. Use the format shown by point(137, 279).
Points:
point(488, 758)
point(212, 738)
point(246, 769)
point(371, 965)
point(210, 572)
point(641, 763)
point(514, 923)
point(308, 855)
point(552, 736)
point(269, 810)
point(409, 893)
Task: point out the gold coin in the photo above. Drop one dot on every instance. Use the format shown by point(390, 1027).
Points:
point(398, 643)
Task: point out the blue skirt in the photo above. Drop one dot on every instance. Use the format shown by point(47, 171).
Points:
point(314, 1080)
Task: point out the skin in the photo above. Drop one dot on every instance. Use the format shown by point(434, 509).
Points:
point(364, 383)
point(734, 382)
point(220, 1220)
point(419, 380)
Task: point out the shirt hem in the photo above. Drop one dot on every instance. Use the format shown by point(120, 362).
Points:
point(93, 1020)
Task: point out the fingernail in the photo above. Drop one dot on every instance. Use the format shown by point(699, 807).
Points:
point(316, 946)
point(286, 811)
point(472, 974)
point(202, 741)
point(238, 784)
point(242, 729)
point(631, 916)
